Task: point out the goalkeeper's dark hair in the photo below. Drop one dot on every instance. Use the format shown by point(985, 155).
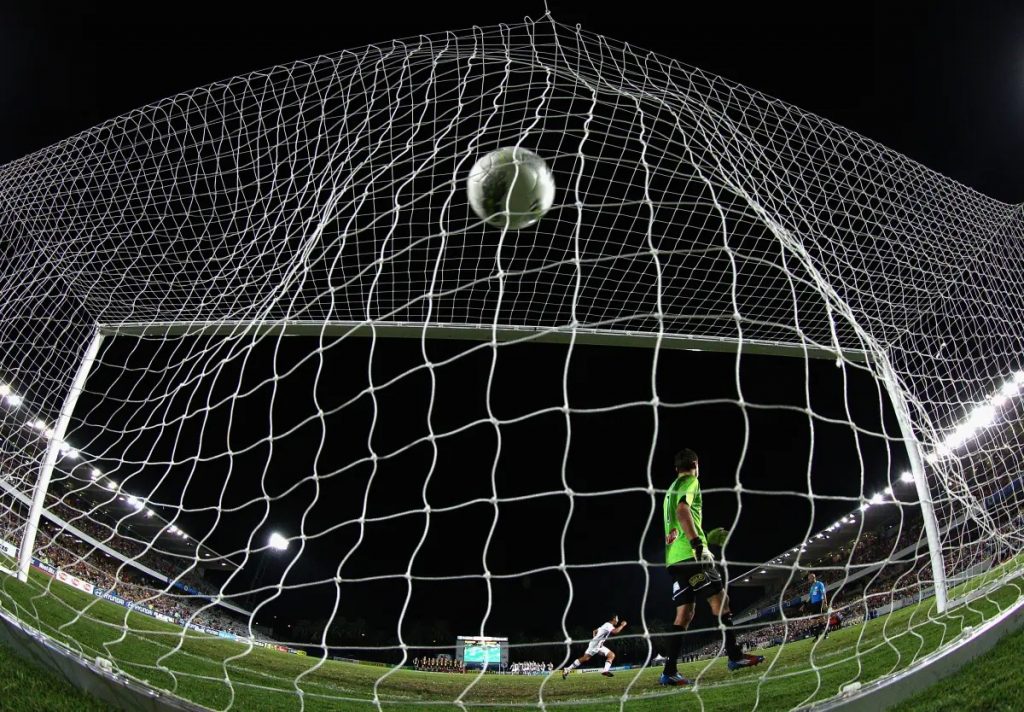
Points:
point(686, 459)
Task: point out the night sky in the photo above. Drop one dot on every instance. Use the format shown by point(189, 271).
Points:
point(941, 85)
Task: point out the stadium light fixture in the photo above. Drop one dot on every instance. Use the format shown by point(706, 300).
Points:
point(95, 474)
point(1018, 378)
point(887, 490)
point(5, 390)
point(999, 400)
point(764, 571)
point(277, 542)
point(48, 433)
point(876, 498)
point(959, 436)
point(1009, 389)
point(71, 454)
point(149, 512)
point(906, 476)
point(13, 400)
point(982, 416)
point(111, 485)
point(38, 425)
point(746, 580)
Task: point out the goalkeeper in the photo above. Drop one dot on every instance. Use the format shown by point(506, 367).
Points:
point(692, 568)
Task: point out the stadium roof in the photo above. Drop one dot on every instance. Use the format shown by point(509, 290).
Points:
point(806, 557)
point(147, 524)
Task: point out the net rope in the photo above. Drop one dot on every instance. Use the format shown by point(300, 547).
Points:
point(327, 198)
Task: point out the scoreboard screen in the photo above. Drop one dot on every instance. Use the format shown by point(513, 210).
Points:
point(477, 651)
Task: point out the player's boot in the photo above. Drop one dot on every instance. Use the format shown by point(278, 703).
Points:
point(565, 674)
point(746, 661)
point(606, 673)
point(676, 679)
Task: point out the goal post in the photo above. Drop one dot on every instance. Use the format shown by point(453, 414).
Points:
point(53, 452)
point(924, 495)
point(590, 336)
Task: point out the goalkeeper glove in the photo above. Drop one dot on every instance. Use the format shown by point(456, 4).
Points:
point(700, 554)
point(717, 536)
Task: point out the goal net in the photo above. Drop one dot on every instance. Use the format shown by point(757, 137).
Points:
point(282, 419)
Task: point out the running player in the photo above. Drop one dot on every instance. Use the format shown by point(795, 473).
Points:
point(597, 647)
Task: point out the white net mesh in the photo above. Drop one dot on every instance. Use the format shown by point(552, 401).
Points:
point(250, 248)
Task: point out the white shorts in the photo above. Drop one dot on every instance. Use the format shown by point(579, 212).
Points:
point(599, 650)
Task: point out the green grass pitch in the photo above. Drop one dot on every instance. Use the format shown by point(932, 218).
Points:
point(217, 673)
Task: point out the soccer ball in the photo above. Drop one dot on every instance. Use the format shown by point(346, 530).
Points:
point(511, 187)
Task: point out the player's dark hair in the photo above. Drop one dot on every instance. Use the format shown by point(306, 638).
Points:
point(686, 459)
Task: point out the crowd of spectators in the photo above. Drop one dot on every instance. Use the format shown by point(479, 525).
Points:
point(62, 549)
point(65, 551)
point(118, 536)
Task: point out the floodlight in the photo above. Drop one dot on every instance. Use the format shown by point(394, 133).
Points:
point(1009, 389)
point(876, 498)
point(906, 476)
point(5, 390)
point(277, 542)
point(982, 416)
point(13, 400)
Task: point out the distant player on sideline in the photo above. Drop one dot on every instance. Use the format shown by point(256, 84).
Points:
point(692, 568)
point(816, 602)
point(597, 647)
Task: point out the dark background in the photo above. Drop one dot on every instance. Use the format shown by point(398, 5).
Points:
point(938, 82)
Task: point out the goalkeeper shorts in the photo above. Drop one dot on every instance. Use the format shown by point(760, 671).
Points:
point(690, 578)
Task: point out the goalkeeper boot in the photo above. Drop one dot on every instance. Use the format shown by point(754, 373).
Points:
point(676, 679)
point(746, 661)
point(607, 673)
point(565, 674)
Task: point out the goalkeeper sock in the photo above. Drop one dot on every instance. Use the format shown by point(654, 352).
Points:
point(675, 644)
point(732, 648)
point(607, 665)
point(575, 664)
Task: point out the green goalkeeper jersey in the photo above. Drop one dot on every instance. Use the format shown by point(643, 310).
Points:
point(684, 487)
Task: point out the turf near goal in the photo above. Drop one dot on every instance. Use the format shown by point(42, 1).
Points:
point(282, 417)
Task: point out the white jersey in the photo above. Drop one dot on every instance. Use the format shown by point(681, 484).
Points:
point(602, 635)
